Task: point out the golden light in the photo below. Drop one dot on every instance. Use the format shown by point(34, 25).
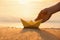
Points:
point(19, 26)
point(27, 1)
point(26, 9)
point(23, 1)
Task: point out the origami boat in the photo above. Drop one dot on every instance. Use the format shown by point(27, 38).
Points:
point(31, 24)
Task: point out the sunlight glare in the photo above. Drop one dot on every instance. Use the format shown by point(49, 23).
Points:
point(23, 1)
point(28, 1)
point(19, 26)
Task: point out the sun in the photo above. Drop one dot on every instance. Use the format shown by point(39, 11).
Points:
point(23, 1)
point(27, 1)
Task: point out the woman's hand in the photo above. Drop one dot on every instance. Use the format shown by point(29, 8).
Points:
point(44, 15)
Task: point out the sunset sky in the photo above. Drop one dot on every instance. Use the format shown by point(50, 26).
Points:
point(12, 10)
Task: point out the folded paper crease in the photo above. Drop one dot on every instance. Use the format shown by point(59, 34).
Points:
point(31, 23)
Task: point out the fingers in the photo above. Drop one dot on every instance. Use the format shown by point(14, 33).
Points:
point(41, 14)
point(44, 15)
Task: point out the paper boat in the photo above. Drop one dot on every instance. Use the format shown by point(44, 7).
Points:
point(31, 24)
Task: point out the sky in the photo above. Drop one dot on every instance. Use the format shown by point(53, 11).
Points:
point(12, 10)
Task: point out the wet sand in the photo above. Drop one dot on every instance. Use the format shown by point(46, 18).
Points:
point(11, 33)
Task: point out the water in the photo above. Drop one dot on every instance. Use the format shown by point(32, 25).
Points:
point(17, 25)
point(20, 25)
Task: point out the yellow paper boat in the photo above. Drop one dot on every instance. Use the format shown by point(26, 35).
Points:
point(31, 24)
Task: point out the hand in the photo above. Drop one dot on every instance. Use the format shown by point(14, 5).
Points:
point(44, 15)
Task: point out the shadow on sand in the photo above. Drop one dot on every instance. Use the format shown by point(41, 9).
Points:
point(45, 35)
